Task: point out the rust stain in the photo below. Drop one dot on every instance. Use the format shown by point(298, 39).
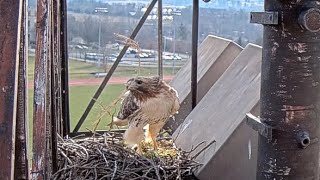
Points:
point(273, 168)
point(315, 84)
point(298, 47)
point(296, 112)
point(5, 88)
point(274, 48)
point(40, 85)
point(274, 29)
point(284, 31)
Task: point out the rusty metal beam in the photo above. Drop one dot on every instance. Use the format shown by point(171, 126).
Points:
point(160, 36)
point(48, 97)
point(10, 20)
point(290, 92)
point(113, 68)
point(64, 68)
point(40, 106)
point(22, 170)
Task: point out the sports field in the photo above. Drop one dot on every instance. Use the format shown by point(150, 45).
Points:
point(83, 85)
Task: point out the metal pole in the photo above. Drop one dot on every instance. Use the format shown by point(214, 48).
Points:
point(99, 49)
point(290, 101)
point(160, 35)
point(113, 68)
point(64, 68)
point(174, 45)
point(174, 38)
point(56, 90)
point(22, 170)
point(194, 61)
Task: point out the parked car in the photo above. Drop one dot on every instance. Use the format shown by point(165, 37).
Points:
point(167, 57)
point(171, 57)
point(151, 55)
point(176, 57)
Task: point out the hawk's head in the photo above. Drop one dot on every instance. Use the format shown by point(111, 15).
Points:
point(146, 86)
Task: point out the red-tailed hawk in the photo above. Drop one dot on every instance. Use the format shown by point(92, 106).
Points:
point(149, 101)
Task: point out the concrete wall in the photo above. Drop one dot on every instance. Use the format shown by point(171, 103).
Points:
point(219, 117)
point(215, 54)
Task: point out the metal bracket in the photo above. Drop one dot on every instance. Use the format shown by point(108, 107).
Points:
point(256, 124)
point(266, 18)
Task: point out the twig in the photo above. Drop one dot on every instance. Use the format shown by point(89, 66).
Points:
point(115, 170)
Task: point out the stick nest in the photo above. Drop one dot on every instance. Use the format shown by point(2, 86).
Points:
point(106, 157)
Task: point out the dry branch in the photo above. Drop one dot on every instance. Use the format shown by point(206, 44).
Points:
point(131, 43)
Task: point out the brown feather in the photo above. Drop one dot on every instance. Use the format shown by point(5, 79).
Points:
point(128, 107)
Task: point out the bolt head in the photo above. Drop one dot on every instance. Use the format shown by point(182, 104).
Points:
point(206, 1)
point(310, 19)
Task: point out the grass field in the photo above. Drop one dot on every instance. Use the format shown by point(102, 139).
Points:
point(79, 99)
point(81, 95)
point(78, 105)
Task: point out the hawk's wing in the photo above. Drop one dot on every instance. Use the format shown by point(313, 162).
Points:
point(128, 107)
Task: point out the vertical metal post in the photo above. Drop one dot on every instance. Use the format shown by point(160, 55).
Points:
point(64, 67)
point(113, 67)
point(55, 82)
point(174, 44)
point(290, 102)
point(99, 49)
point(40, 91)
point(21, 170)
point(194, 61)
point(160, 36)
point(10, 20)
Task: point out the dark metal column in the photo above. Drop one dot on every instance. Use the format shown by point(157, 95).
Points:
point(290, 91)
point(56, 89)
point(10, 28)
point(160, 36)
point(194, 61)
point(22, 170)
point(64, 67)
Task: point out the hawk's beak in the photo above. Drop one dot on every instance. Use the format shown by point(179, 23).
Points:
point(128, 83)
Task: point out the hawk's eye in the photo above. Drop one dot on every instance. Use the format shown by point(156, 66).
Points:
point(139, 82)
